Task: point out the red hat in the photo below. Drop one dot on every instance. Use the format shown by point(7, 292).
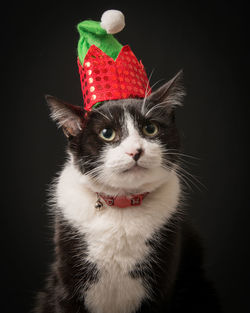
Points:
point(108, 70)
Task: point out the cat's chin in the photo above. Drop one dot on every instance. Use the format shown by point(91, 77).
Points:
point(134, 180)
point(135, 169)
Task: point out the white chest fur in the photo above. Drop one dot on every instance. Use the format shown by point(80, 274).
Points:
point(115, 237)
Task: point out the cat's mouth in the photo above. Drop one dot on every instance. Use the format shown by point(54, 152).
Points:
point(135, 169)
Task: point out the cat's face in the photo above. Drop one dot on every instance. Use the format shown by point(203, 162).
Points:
point(121, 145)
point(124, 143)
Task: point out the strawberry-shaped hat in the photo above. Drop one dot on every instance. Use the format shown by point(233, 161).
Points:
point(108, 70)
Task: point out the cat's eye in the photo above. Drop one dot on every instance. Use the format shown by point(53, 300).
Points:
point(150, 129)
point(107, 134)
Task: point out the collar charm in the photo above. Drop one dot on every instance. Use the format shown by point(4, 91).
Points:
point(108, 70)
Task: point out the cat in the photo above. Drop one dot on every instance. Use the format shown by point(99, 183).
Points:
point(142, 258)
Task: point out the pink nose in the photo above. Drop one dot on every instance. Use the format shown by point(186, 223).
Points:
point(135, 154)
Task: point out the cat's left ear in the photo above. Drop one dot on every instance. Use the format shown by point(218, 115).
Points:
point(68, 116)
point(170, 95)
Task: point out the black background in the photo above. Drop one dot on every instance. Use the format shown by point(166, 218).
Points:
point(208, 39)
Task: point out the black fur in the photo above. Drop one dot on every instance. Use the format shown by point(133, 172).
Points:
point(70, 274)
point(174, 271)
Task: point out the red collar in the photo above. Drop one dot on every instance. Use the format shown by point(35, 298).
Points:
point(123, 201)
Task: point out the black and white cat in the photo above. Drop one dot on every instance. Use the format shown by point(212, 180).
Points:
point(142, 258)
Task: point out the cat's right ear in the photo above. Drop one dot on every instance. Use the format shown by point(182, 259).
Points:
point(170, 95)
point(67, 116)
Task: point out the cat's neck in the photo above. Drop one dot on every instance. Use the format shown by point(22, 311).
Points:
point(75, 197)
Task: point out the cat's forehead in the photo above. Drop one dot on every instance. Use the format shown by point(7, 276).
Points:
point(139, 110)
point(117, 111)
point(121, 107)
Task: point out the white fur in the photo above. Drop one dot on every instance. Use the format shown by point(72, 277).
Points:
point(116, 237)
point(112, 21)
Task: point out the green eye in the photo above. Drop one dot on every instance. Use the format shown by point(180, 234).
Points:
point(107, 134)
point(150, 130)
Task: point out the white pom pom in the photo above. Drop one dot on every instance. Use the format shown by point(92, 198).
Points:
point(112, 21)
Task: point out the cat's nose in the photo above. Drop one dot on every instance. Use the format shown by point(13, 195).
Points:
point(135, 154)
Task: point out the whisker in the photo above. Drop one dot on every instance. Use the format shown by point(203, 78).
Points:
point(157, 106)
point(146, 93)
point(184, 173)
point(110, 113)
point(181, 177)
point(180, 158)
point(104, 115)
point(192, 176)
point(94, 171)
point(174, 151)
point(156, 83)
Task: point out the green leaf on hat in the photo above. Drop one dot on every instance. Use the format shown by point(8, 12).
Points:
point(91, 33)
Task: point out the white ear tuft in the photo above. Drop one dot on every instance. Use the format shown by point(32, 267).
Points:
point(113, 21)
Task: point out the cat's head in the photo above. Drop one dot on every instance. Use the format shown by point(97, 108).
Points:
point(124, 144)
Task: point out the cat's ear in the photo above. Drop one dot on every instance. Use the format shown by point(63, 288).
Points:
point(170, 95)
point(67, 116)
